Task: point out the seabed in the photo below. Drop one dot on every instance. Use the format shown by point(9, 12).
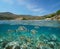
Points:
point(34, 38)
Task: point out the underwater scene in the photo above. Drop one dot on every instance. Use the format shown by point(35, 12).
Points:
point(29, 34)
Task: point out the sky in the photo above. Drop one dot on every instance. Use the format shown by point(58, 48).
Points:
point(30, 7)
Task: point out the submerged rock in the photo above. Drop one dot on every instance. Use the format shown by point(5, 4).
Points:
point(9, 47)
point(12, 45)
point(33, 31)
point(17, 47)
point(21, 39)
point(10, 31)
point(21, 28)
point(51, 45)
point(24, 46)
point(4, 43)
point(53, 37)
point(1, 40)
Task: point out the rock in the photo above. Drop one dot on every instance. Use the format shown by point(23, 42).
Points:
point(4, 43)
point(21, 28)
point(17, 47)
point(24, 46)
point(1, 40)
point(53, 38)
point(51, 45)
point(9, 47)
point(33, 31)
point(12, 45)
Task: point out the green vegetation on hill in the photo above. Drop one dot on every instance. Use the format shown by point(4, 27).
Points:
point(56, 13)
point(11, 16)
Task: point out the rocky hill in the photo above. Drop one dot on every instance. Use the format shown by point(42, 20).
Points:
point(53, 16)
point(11, 16)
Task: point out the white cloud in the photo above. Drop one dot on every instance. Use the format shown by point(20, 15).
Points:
point(31, 6)
point(21, 2)
point(35, 8)
point(8, 1)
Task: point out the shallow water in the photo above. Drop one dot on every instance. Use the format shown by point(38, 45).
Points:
point(29, 34)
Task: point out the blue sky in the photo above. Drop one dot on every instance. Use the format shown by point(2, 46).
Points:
point(30, 7)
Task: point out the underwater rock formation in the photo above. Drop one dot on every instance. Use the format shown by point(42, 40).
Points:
point(12, 45)
point(21, 29)
point(21, 38)
point(30, 43)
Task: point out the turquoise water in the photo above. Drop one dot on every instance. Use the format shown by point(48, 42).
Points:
point(29, 34)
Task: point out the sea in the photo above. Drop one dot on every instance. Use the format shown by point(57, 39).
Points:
point(29, 34)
